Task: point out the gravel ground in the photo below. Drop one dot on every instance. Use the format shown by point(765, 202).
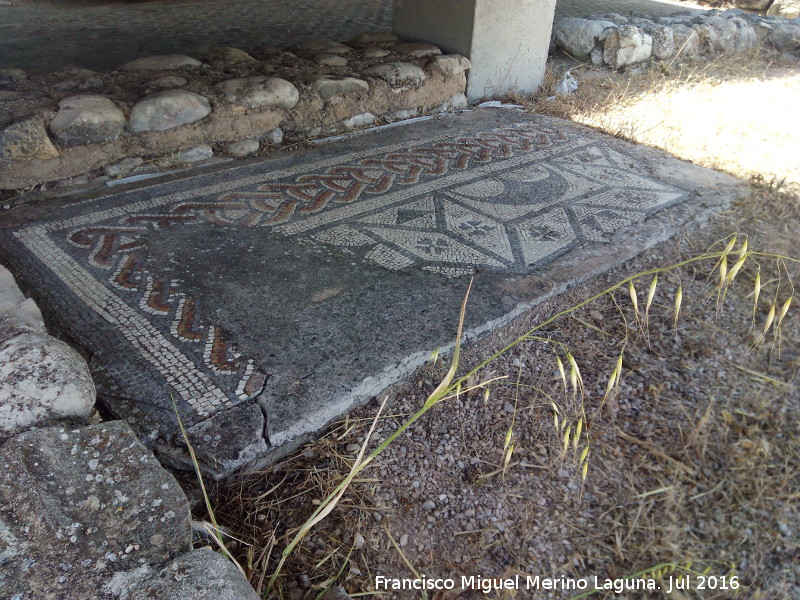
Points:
point(693, 458)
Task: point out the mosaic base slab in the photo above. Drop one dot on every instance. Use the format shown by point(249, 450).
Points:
point(266, 299)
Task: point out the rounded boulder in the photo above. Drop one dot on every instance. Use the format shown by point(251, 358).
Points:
point(87, 119)
point(164, 110)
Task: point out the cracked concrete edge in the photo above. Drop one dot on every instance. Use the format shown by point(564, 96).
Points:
point(709, 193)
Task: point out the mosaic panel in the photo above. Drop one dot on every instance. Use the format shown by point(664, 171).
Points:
point(512, 219)
point(507, 200)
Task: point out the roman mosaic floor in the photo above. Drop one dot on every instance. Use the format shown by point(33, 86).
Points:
point(265, 299)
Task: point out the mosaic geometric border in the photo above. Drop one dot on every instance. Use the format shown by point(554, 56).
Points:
point(507, 199)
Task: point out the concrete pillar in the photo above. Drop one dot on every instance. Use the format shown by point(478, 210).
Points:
point(506, 40)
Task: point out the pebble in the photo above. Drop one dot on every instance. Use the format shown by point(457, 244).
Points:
point(243, 148)
point(196, 154)
point(449, 65)
point(229, 54)
point(123, 167)
point(358, 541)
point(428, 505)
point(359, 120)
point(404, 540)
point(275, 136)
point(375, 53)
point(331, 60)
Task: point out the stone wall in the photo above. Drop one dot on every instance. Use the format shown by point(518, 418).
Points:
point(86, 511)
point(41, 378)
point(622, 42)
point(77, 121)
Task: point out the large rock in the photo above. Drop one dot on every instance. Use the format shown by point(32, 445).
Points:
point(87, 120)
point(199, 575)
point(26, 139)
point(753, 4)
point(166, 82)
point(450, 65)
point(329, 86)
point(578, 37)
point(254, 92)
point(642, 23)
point(417, 49)
point(678, 19)
point(12, 75)
point(687, 41)
point(663, 42)
point(789, 9)
point(746, 37)
point(374, 38)
point(330, 60)
point(707, 36)
point(167, 109)
point(786, 38)
point(41, 379)
point(397, 73)
point(78, 506)
point(625, 46)
point(162, 62)
point(374, 53)
point(615, 18)
point(324, 47)
point(725, 30)
point(229, 54)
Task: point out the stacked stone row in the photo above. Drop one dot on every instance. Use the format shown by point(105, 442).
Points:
point(619, 42)
point(233, 97)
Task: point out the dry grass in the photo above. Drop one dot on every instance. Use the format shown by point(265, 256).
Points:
point(731, 114)
point(695, 457)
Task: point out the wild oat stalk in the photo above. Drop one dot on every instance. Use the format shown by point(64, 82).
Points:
point(571, 429)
